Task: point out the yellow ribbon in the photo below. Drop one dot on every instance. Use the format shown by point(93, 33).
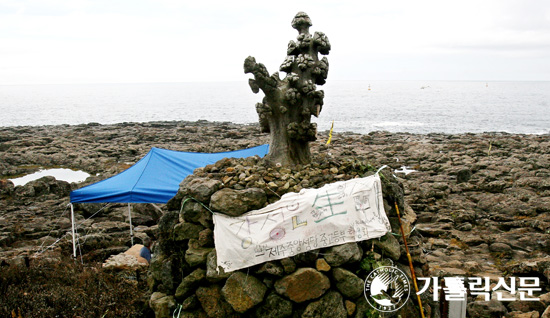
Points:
point(330, 133)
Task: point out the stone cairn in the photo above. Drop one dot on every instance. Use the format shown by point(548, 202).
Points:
point(327, 282)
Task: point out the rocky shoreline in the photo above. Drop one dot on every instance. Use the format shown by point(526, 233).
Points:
point(482, 201)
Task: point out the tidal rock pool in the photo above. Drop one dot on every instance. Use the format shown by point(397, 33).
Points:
point(58, 173)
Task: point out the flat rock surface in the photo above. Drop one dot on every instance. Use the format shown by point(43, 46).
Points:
point(482, 200)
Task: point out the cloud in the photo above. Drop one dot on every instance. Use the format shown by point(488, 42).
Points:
point(172, 40)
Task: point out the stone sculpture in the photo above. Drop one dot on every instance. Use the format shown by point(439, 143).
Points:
point(286, 109)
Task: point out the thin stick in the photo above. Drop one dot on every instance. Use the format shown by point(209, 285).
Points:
point(410, 262)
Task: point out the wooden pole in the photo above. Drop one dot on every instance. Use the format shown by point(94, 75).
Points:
point(410, 262)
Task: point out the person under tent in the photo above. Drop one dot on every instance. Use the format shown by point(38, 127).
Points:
point(142, 252)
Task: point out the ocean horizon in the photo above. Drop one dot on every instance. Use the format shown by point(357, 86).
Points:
point(358, 106)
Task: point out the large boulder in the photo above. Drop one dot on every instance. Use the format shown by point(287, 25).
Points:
point(195, 187)
point(243, 291)
point(200, 188)
point(342, 254)
point(304, 284)
point(389, 246)
point(348, 283)
point(236, 202)
point(196, 212)
point(195, 256)
point(186, 231)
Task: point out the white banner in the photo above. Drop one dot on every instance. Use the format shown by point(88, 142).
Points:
point(337, 213)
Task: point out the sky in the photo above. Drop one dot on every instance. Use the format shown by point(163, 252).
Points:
point(129, 41)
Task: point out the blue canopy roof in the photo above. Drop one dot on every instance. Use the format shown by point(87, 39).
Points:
point(156, 177)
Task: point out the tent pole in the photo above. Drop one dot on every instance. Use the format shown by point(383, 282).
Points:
point(73, 231)
point(131, 231)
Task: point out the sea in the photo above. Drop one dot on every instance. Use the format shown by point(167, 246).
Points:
point(358, 106)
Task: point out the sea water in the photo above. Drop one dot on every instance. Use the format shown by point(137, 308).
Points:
point(358, 106)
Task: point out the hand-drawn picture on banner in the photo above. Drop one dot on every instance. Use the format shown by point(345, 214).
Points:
point(337, 213)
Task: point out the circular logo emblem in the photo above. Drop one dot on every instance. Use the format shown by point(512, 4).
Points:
point(387, 288)
point(277, 233)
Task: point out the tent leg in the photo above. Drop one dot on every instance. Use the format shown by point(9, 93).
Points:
point(73, 231)
point(130, 218)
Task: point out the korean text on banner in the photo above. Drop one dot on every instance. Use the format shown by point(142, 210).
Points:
point(337, 213)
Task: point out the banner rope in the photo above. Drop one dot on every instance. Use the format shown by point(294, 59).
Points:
point(199, 202)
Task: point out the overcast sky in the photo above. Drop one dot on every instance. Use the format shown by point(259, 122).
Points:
point(105, 41)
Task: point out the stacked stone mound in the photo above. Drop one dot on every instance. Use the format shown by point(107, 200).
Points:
point(328, 282)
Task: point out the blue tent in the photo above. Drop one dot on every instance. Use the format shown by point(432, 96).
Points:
point(156, 177)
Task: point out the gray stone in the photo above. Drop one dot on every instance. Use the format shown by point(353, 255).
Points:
point(495, 186)
point(271, 268)
point(192, 211)
point(519, 314)
point(330, 305)
point(213, 273)
point(6, 187)
point(200, 188)
point(304, 284)
point(463, 175)
point(162, 305)
point(161, 274)
point(236, 202)
point(167, 222)
point(43, 186)
point(389, 246)
point(189, 303)
point(465, 227)
point(342, 254)
point(545, 299)
point(526, 306)
point(197, 213)
point(213, 303)
point(489, 309)
point(434, 229)
point(197, 256)
point(186, 231)
point(206, 237)
point(306, 259)
point(274, 306)
point(288, 265)
point(243, 291)
point(500, 247)
point(189, 283)
point(348, 283)
point(363, 308)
